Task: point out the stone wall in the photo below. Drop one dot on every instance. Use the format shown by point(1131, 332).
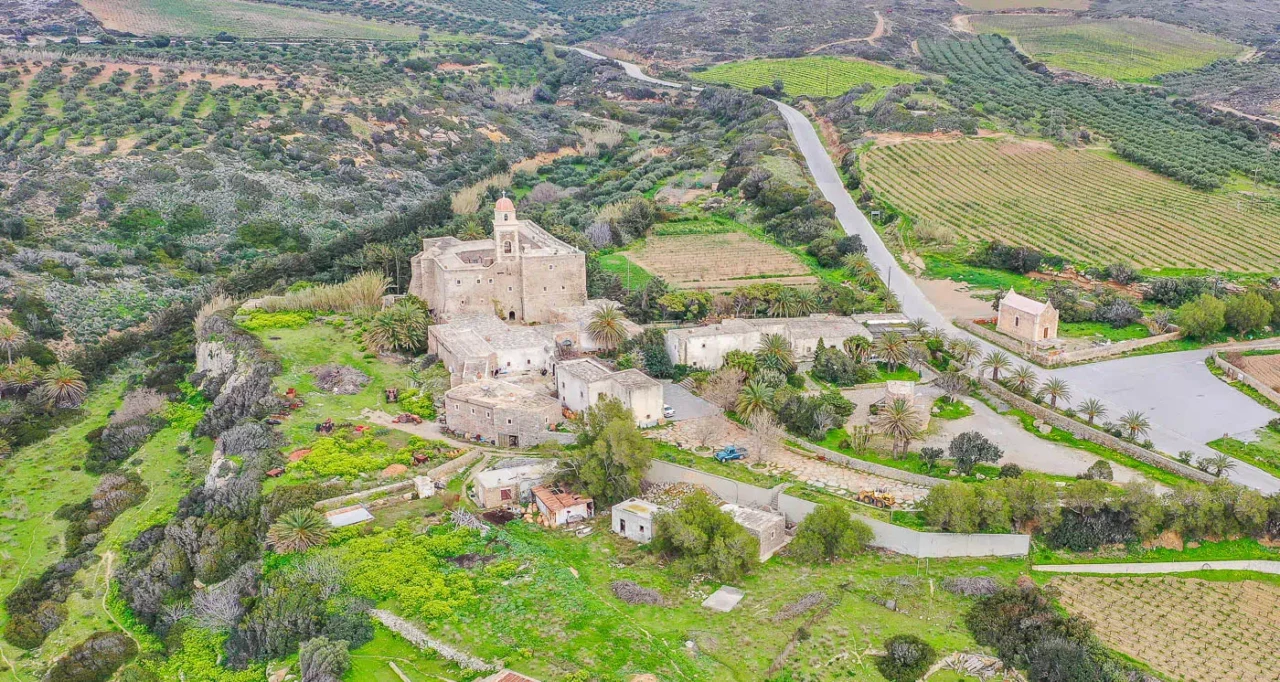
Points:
point(1056, 358)
point(873, 468)
point(1093, 435)
point(346, 500)
point(1238, 374)
point(886, 535)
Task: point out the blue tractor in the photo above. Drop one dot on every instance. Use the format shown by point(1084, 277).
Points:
point(730, 453)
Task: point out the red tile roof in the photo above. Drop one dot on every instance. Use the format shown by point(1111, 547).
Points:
point(555, 499)
point(510, 676)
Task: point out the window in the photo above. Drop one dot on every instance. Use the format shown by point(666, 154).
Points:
point(1015, 320)
point(506, 246)
point(508, 363)
point(505, 494)
point(622, 525)
point(642, 530)
point(544, 288)
point(508, 421)
point(561, 287)
point(473, 410)
point(491, 280)
point(459, 282)
point(551, 267)
point(508, 288)
point(477, 280)
point(506, 217)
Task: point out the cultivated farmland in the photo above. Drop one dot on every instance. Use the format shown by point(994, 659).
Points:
point(1123, 49)
point(1004, 5)
point(237, 17)
point(718, 262)
point(1187, 628)
point(1264, 367)
point(1080, 204)
point(816, 76)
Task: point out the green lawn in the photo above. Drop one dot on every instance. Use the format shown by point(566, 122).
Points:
point(1102, 329)
point(1263, 453)
point(909, 461)
point(1123, 49)
point(815, 76)
point(1226, 550)
point(938, 266)
point(633, 276)
point(951, 409)
point(371, 662)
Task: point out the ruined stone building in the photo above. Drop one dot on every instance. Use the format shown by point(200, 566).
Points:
point(523, 274)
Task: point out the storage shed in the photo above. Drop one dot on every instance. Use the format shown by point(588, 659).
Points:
point(633, 519)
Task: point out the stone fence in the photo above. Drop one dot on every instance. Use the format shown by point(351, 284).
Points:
point(872, 468)
point(886, 535)
point(1236, 374)
point(1093, 435)
point(345, 500)
point(1055, 358)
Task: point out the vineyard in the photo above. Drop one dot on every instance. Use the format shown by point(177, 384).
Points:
point(237, 17)
point(1079, 204)
point(1187, 628)
point(814, 76)
point(1141, 126)
point(718, 262)
point(1123, 49)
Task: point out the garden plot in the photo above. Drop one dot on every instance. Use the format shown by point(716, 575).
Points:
point(1186, 628)
point(719, 262)
point(1263, 367)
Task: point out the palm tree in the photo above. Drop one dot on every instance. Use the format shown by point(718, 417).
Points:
point(893, 350)
point(899, 421)
point(963, 350)
point(11, 338)
point(784, 305)
point(403, 326)
point(918, 326)
point(775, 353)
point(1056, 389)
point(858, 347)
point(754, 398)
point(806, 302)
point(1218, 464)
point(606, 326)
point(21, 376)
point(297, 531)
point(1023, 379)
point(1136, 423)
point(861, 269)
point(62, 386)
point(995, 361)
point(1092, 408)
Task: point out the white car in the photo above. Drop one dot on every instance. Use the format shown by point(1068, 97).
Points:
point(668, 411)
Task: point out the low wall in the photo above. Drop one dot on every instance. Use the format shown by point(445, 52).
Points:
point(886, 535)
point(345, 500)
point(453, 466)
point(1051, 358)
point(873, 468)
point(1237, 374)
point(1093, 435)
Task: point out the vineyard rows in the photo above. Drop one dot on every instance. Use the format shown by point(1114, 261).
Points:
point(816, 76)
point(1077, 204)
point(1190, 629)
point(718, 261)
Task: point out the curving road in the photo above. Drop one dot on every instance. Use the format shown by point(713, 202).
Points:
point(1187, 406)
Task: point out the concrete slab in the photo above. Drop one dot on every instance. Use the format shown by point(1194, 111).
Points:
point(724, 599)
point(686, 404)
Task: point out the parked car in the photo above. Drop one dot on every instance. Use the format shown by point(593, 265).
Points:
point(668, 411)
point(730, 453)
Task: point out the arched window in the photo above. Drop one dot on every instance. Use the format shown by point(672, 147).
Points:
point(506, 217)
point(506, 246)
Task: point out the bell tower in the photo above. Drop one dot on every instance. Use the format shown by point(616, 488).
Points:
point(506, 231)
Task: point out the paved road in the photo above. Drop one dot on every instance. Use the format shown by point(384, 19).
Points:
point(1187, 406)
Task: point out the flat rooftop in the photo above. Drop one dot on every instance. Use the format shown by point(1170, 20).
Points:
point(500, 394)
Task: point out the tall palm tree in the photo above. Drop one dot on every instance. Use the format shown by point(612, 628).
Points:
point(62, 385)
point(755, 397)
point(11, 338)
point(1135, 423)
point(1056, 389)
point(297, 531)
point(1023, 379)
point(899, 421)
point(606, 326)
point(785, 304)
point(775, 353)
point(996, 361)
point(918, 325)
point(858, 347)
point(1092, 409)
point(963, 350)
point(806, 302)
point(893, 350)
point(1218, 464)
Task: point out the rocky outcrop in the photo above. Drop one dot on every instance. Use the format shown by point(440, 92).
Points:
point(235, 372)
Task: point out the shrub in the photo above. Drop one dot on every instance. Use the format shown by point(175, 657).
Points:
point(1099, 471)
point(1203, 317)
point(970, 448)
point(336, 456)
point(906, 658)
point(418, 402)
point(260, 320)
point(704, 539)
point(1010, 470)
point(96, 659)
point(829, 532)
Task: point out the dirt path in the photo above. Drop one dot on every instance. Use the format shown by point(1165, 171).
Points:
point(106, 592)
point(961, 23)
point(882, 29)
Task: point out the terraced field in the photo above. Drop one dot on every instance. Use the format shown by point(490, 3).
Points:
point(1122, 49)
point(718, 262)
point(1187, 628)
point(1083, 205)
point(815, 76)
point(237, 17)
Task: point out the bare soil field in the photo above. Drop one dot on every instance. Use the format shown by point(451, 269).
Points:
point(1189, 629)
point(237, 17)
point(1264, 368)
point(718, 262)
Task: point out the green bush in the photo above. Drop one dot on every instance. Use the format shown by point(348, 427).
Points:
point(337, 456)
point(96, 659)
point(906, 658)
point(259, 320)
point(419, 403)
point(827, 533)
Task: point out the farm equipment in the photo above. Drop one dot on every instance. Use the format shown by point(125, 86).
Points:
point(325, 426)
point(392, 395)
point(420, 458)
point(877, 498)
point(407, 418)
point(730, 453)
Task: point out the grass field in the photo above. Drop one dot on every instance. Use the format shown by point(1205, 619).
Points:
point(633, 276)
point(1083, 205)
point(1074, 330)
point(239, 18)
point(1002, 5)
point(1189, 629)
point(815, 76)
point(1123, 49)
point(1263, 453)
point(718, 262)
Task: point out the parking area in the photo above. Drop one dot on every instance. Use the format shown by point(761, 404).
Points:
point(686, 404)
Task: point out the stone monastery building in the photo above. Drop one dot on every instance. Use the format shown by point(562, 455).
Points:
point(522, 275)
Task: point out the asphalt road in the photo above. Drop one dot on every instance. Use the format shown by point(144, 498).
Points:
point(1186, 405)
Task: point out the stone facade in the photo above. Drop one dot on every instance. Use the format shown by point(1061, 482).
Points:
point(768, 527)
point(583, 382)
point(510, 485)
point(523, 274)
point(559, 507)
point(633, 519)
point(1027, 320)
point(705, 347)
point(501, 413)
